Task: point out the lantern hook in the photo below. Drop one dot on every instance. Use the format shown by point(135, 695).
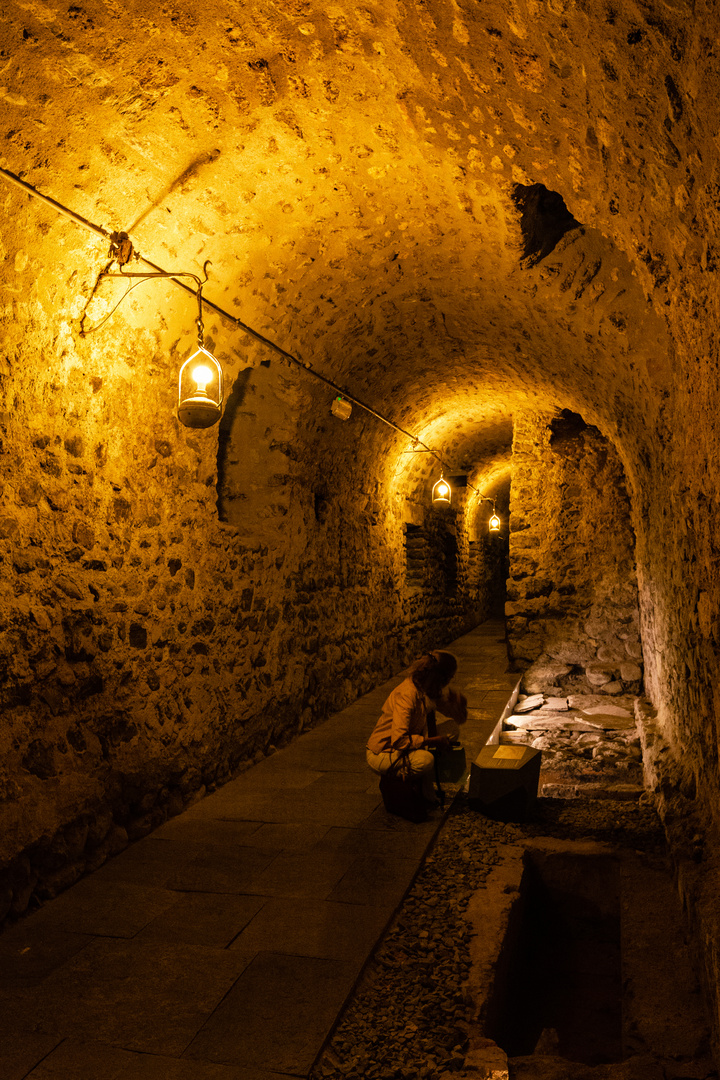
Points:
point(200, 324)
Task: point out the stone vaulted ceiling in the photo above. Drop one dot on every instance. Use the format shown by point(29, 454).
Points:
point(355, 175)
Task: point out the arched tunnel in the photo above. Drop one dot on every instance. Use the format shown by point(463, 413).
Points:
point(491, 228)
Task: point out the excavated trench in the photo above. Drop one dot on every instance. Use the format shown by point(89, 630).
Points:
point(582, 967)
point(549, 949)
point(559, 985)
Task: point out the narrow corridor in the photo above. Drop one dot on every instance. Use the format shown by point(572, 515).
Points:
point(224, 945)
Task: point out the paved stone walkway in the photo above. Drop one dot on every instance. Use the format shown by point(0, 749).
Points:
point(224, 945)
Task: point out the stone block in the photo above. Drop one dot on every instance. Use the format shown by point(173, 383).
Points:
point(611, 654)
point(8, 527)
point(597, 675)
point(70, 586)
point(524, 566)
point(537, 587)
point(538, 721)
point(528, 647)
point(590, 738)
point(595, 627)
point(526, 704)
point(556, 704)
point(576, 652)
point(630, 672)
point(543, 674)
point(591, 706)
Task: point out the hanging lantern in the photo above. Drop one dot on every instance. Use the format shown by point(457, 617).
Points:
point(200, 390)
point(200, 383)
point(441, 493)
point(494, 521)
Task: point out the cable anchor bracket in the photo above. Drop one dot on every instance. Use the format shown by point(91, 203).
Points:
point(121, 248)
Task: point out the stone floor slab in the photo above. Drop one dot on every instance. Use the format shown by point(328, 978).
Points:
point(74, 1060)
point(104, 908)
point(392, 824)
point(306, 757)
point(149, 996)
point(265, 778)
point(225, 870)
point(150, 861)
point(404, 844)
point(20, 1052)
point(292, 806)
point(277, 1014)
point(339, 785)
point(211, 919)
point(302, 874)
point(376, 881)
point(188, 830)
point(29, 952)
point(314, 928)
point(288, 836)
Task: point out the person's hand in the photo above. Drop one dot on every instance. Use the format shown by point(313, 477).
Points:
point(439, 742)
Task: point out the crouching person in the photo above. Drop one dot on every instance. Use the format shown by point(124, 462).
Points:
point(401, 742)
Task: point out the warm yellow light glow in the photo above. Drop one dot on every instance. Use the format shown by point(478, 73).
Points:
point(202, 375)
point(494, 523)
point(196, 408)
point(441, 493)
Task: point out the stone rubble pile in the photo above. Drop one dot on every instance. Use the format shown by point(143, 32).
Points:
point(590, 746)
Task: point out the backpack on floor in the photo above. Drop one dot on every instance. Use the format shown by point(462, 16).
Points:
point(403, 797)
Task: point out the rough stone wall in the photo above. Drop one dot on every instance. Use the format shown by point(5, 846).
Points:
point(440, 585)
point(487, 571)
point(572, 608)
point(433, 556)
point(676, 496)
point(489, 556)
point(148, 648)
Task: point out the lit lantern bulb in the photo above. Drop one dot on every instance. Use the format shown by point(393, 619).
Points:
point(202, 375)
point(494, 523)
point(441, 493)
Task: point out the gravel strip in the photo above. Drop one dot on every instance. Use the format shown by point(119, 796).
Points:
point(409, 1016)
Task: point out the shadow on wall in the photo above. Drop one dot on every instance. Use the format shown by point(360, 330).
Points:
point(228, 453)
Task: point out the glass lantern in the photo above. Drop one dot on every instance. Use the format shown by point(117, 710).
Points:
point(441, 493)
point(200, 390)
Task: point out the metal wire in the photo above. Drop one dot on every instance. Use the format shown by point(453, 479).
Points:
point(237, 323)
point(12, 179)
point(98, 326)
